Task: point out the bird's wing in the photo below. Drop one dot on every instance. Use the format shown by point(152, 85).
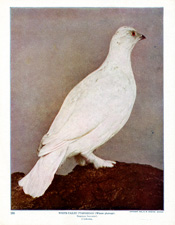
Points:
point(85, 107)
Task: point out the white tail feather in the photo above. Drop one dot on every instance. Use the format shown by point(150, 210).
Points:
point(36, 182)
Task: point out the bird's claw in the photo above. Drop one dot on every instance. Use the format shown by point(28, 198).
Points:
point(104, 163)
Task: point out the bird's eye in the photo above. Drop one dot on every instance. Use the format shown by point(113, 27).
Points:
point(133, 33)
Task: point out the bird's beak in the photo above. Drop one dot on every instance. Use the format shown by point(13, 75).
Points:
point(142, 37)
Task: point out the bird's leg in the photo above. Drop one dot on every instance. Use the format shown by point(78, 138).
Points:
point(80, 160)
point(98, 162)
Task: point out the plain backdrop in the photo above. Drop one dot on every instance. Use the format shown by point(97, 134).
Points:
point(52, 49)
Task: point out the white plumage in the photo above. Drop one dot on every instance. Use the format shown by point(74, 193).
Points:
point(93, 112)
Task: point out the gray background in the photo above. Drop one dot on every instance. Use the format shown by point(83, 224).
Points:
point(53, 49)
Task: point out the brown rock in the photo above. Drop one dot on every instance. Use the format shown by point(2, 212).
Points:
point(123, 187)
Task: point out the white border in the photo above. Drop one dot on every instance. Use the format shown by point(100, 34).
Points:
point(120, 217)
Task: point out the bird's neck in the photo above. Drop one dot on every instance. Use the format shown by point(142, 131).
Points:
point(119, 57)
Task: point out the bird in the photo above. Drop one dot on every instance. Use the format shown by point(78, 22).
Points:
point(92, 113)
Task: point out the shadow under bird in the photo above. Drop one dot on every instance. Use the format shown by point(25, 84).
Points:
point(92, 113)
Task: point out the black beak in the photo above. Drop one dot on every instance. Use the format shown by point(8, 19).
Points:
point(142, 37)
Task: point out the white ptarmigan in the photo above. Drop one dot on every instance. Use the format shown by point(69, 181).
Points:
point(92, 113)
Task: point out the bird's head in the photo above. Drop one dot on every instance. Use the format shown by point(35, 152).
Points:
point(126, 37)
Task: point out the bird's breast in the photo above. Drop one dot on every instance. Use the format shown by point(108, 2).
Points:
point(117, 87)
